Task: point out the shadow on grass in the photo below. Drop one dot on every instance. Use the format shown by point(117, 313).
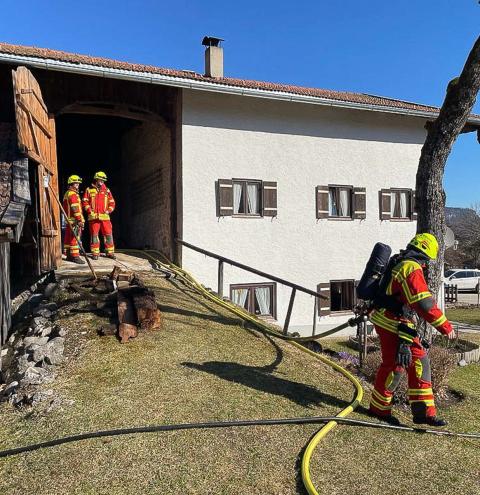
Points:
point(259, 378)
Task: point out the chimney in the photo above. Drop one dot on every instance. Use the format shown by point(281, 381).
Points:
point(213, 56)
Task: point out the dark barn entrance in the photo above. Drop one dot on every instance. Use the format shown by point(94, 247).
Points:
point(136, 156)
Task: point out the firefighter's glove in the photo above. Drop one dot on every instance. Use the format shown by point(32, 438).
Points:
point(404, 354)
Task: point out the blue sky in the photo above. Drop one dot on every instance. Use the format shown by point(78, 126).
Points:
point(407, 49)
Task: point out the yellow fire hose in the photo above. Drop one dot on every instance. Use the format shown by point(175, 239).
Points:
point(190, 280)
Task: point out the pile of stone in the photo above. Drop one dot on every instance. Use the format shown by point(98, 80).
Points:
point(33, 351)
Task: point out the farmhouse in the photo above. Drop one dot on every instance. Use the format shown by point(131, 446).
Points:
point(296, 182)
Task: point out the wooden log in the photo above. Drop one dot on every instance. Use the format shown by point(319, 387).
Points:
point(148, 314)
point(127, 320)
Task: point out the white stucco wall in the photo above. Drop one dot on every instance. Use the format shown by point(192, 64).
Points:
point(299, 146)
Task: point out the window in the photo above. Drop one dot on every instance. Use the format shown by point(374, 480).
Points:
point(342, 295)
point(397, 204)
point(246, 197)
point(259, 299)
point(340, 201)
point(401, 204)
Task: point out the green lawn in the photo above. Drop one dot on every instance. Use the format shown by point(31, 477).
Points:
point(464, 315)
point(205, 365)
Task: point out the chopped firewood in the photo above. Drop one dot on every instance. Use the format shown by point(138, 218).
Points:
point(126, 318)
point(125, 276)
point(114, 275)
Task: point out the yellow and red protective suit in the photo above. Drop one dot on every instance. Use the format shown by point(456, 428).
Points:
point(73, 209)
point(408, 286)
point(99, 203)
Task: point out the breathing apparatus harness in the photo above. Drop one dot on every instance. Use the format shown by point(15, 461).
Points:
point(376, 278)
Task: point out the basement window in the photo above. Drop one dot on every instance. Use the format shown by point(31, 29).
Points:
point(247, 197)
point(342, 295)
point(259, 299)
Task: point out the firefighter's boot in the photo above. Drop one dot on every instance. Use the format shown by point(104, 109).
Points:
point(76, 259)
point(429, 420)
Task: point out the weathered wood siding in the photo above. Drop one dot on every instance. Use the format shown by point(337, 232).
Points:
point(5, 302)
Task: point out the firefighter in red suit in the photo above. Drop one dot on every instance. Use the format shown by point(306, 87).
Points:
point(401, 348)
point(73, 209)
point(99, 204)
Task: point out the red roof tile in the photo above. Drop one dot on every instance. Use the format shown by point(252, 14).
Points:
point(341, 96)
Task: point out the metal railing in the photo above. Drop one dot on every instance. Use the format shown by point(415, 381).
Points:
point(295, 287)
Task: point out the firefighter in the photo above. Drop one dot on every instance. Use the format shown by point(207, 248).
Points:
point(99, 203)
point(401, 348)
point(73, 209)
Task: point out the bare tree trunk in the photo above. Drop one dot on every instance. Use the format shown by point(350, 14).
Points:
point(430, 196)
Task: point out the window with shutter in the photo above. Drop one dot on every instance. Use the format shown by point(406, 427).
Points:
point(224, 197)
point(385, 204)
point(321, 193)
point(359, 203)
point(269, 199)
point(323, 305)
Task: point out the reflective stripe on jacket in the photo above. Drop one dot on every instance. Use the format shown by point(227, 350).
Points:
point(72, 207)
point(408, 285)
point(98, 202)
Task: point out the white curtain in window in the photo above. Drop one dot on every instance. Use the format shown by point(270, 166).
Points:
point(237, 197)
point(240, 296)
point(394, 204)
point(403, 204)
point(252, 198)
point(262, 295)
point(344, 200)
point(332, 203)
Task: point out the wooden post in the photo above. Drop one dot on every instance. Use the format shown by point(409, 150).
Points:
point(289, 311)
point(315, 309)
point(220, 279)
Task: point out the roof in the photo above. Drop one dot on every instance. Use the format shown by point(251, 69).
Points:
point(59, 60)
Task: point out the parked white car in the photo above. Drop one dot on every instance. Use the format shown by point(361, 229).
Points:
point(464, 279)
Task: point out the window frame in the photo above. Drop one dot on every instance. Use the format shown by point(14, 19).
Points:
point(353, 295)
point(408, 218)
point(251, 296)
point(244, 183)
point(349, 188)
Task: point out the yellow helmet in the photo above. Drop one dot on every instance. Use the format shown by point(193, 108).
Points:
point(425, 243)
point(100, 175)
point(74, 179)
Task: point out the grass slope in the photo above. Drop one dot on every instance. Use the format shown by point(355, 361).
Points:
point(204, 365)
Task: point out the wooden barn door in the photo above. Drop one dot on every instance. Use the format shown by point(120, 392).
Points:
point(36, 139)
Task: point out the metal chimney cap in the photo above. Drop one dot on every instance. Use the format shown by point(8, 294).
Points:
point(211, 41)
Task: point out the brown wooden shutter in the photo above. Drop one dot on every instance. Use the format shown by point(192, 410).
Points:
point(269, 204)
point(359, 203)
point(413, 206)
point(324, 304)
point(385, 200)
point(321, 194)
point(224, 197)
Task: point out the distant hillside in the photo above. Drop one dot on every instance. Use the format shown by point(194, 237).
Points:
point(452, 215)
